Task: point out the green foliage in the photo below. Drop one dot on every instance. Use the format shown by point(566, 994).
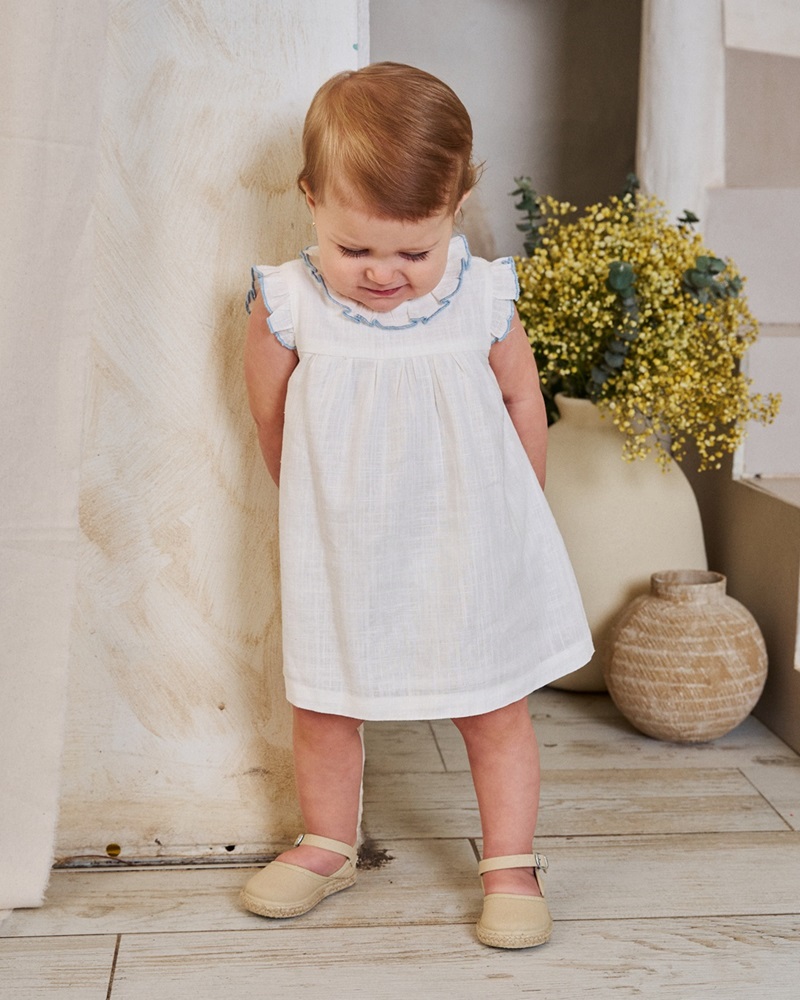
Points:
point(621, 281)
point(630, 310)
point(707, 280)
point(530, 205)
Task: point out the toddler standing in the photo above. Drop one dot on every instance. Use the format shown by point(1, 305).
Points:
point(398, 406)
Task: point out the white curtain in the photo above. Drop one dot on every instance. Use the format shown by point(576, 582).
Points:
point(51, 67)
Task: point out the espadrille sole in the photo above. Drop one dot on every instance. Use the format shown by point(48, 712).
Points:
point(286, 890)
point(510, 920)
point(271, 908)
point(507, 939)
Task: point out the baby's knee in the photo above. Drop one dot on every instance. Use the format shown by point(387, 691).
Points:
point(305, 719)
point(498, 721)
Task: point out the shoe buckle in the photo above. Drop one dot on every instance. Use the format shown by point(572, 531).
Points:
point(299, 840)
point(540, 862)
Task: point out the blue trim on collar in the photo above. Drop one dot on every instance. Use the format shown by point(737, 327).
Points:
point(351, 312)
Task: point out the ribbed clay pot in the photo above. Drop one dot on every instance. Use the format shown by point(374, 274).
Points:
point(687, 662)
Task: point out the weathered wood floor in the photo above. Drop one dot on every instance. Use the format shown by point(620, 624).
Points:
point(675, 875)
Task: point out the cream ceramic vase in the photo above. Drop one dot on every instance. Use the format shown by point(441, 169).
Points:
point(621, 522)
point(688, 663)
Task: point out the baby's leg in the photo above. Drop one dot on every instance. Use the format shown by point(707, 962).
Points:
point(329, 762)
point(504, 760)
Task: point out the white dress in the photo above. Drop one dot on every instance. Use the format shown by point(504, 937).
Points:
point(422, 574)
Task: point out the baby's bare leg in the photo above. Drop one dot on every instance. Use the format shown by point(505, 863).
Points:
point(504, 760)
point(329, 763)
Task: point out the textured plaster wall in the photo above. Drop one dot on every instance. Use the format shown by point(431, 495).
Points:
point(178, 736)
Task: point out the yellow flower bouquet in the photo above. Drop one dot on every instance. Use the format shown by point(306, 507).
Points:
point(631, 311)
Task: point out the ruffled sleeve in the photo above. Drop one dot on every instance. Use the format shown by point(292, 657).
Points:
point(505, 291)
point(275, 292)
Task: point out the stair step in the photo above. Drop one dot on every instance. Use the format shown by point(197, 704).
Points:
point(757, 228)
point(773, 363)
point(763, 26)
point(762, 141)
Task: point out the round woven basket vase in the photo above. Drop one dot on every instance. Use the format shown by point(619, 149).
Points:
point(687, 663)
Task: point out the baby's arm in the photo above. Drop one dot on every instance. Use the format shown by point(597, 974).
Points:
point(515, 369)
point(267, 367)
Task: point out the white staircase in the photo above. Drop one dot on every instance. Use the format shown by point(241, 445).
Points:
point(754, 219)
point(757, 228)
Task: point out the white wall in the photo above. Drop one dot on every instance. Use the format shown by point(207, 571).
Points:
point(551, 88)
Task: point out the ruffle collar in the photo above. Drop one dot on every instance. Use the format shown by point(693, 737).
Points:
point(409, 313)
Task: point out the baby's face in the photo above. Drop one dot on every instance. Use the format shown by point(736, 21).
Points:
point(377, 262)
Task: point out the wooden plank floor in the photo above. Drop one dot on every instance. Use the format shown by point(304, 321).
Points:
point(675, 873)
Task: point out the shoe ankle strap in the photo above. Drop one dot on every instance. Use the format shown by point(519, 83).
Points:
point(513, 861)
point(337, 846)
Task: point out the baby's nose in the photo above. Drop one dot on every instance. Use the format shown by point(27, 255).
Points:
point(381, 273)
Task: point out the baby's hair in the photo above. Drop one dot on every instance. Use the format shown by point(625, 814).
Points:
point(391, 137)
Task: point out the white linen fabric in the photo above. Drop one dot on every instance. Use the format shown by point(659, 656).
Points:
point(51, 72)
point(422, 573)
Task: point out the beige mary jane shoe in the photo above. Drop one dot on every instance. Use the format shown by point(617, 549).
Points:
point(284, 890)
point(513, 921)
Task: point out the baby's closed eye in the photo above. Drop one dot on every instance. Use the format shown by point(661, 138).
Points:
point(406, 255)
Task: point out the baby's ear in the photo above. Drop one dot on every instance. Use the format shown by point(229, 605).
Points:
point(310, 200)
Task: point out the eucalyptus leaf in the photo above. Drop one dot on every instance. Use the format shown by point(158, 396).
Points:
point(616, 344)
point(699, 279)
point(620, 277)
